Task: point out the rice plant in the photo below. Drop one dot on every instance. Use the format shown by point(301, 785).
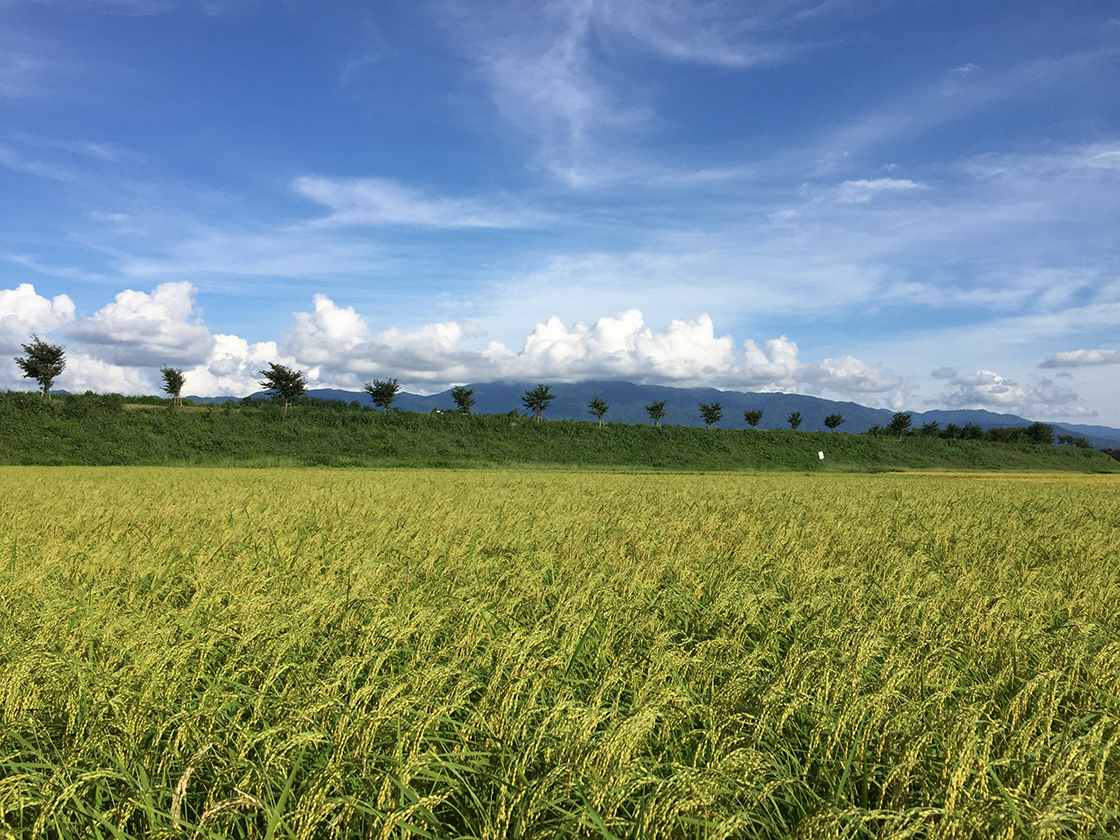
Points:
point(493, 654)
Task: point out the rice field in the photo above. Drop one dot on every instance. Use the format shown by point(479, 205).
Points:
point(524, 654)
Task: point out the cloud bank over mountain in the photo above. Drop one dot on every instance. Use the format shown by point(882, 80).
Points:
point(124, 343)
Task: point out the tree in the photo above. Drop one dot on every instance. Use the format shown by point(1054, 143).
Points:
point(44, 362)
point(931, 429)
point(283, 382)
point(173, 382)
point(1073, 440)
point(900, 422)
point(794, 420)
point(972, 431)
point(463, 399)
point(711, 412)
point(383, 392)
point(656, 410)
point(537, 400)
point(1041, 433)
point(833, 420)
point(598, 408)
point(753, 417)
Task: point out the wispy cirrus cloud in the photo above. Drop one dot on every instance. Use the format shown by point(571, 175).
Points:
point(956, 96)
point(39, 168)
point(863, 190)
point(556, 69)
point(383, 201)
point(719, 33)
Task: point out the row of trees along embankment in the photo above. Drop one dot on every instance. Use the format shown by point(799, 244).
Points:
point(103, 429)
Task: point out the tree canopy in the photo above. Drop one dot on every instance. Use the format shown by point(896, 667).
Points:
point(383, 392)
point(537, 400)
point(753, 417)
point(833, 421)
point(464, 400)
point(900, 422)
point(656, 410)
point(794, 419)
point(711, 412)
point(43, 362)
point(598, 408)
point(173, 382)
point(283, 382)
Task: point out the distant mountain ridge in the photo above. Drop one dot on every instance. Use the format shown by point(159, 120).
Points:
point(628, 400)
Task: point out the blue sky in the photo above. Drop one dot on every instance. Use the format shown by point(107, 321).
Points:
point(905, 204)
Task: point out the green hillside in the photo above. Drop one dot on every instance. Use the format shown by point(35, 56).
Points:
point(100, 430)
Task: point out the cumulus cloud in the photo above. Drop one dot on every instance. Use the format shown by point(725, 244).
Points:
point(1082, 358)
point(381, 201)
point(776, 368)
point(23, 312)
point(233, 367)
point(339, 341)
point(987, 389)
point(118, 348)
point(625, 347)
point(87, 373)
point(338, 345)
point(848, 374)
point(146, 330)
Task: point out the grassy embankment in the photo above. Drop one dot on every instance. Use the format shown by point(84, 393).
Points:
point(496, 654)
point(92, 430)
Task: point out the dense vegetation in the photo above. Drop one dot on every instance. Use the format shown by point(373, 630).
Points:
point(498, 654)
point(95, 429)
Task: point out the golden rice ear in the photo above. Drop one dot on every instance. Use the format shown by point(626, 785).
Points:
point(243, 801)
point(184, 780)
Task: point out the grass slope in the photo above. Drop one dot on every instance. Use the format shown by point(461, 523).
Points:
point(93, 430)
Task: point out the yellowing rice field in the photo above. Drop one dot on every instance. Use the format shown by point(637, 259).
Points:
point(515, 654)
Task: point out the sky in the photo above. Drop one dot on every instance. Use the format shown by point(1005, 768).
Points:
point(910, 205)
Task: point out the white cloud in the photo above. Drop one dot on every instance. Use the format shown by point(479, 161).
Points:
point(119, 347)
point(381, 201)
point(715, 33)
point(86, 373)
point(23, 312)
point(560, 69)
point(18, 163)
point(777, 368)
point(688, 351)
point(1082, 358)
point(147, 330)
point(337, 344)
point(986, 389)
point(543, 79)
point(233, 367)
point(862, 191)
point(322, 335)
point(848, 374)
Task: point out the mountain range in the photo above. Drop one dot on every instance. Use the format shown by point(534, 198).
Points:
point(627, 402)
